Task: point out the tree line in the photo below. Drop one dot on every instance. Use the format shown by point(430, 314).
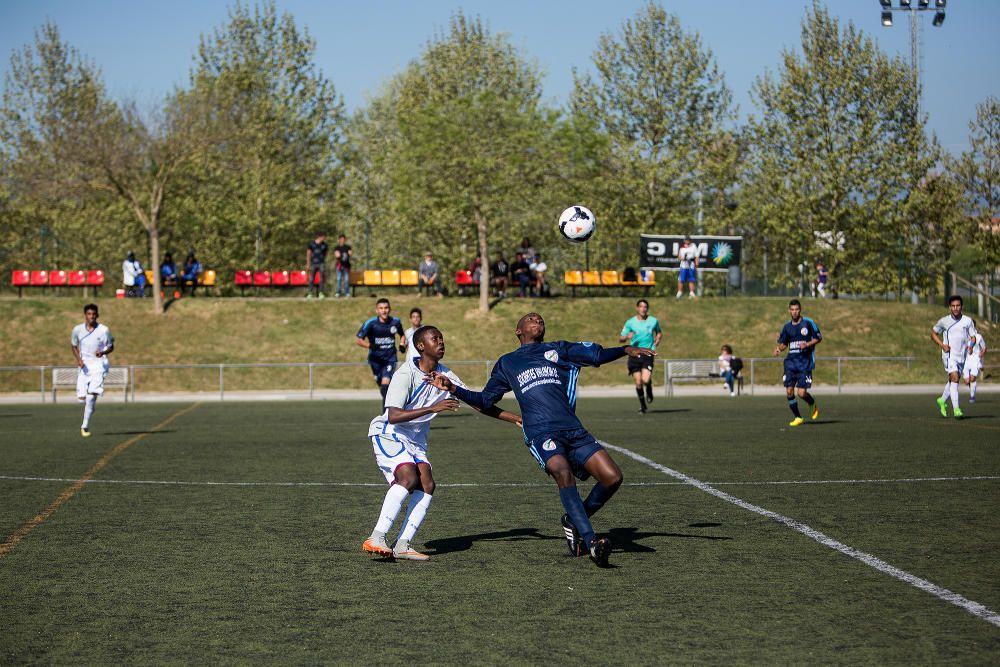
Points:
point(459, 153)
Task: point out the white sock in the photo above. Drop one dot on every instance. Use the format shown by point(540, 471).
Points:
point(415, 515)
point(954, 394)
point(679, 294)
point(390, 507)
point(947, 391)
point(972, 390)
point(88, 409)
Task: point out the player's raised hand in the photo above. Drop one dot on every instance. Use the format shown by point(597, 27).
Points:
point(639, 351)
point(446, 404)
point(440, 381)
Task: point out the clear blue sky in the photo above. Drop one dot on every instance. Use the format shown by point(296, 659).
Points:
point(144, 48)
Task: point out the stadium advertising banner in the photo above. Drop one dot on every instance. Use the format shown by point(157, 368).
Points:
point(715, 253)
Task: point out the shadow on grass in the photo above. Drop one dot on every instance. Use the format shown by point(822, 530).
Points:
point(465, 542)
point(967, 417)
point(139, 432)
point(820, 422)
point(667, 411)
point(627, 539)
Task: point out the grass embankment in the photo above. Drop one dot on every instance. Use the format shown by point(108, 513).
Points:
point(212, 331)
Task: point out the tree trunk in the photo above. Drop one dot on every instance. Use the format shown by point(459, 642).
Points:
point(484, 268)
point(154, 265)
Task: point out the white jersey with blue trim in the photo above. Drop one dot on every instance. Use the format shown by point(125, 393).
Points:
point(90, 342)
point(958, 334)
point(409, 391)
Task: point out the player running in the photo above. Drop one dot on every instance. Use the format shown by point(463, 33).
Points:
point(378, 336)
point(91, 343)
point(954, 333)
point(643, 330)
point(800, 336)
point(399, 438)
point(543, 378)
point(974, 365)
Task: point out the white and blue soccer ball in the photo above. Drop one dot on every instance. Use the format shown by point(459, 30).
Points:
point(577, 223)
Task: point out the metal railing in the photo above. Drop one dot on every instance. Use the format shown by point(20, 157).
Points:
point(750, 365)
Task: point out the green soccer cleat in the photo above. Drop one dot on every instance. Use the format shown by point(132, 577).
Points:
point(958, 413)
point(943, 406)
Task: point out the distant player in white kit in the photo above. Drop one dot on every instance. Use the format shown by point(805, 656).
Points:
point(954, 333)
point(91, 343)
point(974, 365)
point(399, 439)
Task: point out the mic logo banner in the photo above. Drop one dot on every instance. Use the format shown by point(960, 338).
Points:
point(714, 253)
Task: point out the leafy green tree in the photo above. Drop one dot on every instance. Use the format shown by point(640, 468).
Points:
point(471, 147)
point(663, 104)
point(268, 183)
point(978, 172)
point(834, 156)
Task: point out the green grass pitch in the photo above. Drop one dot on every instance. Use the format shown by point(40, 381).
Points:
point(233, 534)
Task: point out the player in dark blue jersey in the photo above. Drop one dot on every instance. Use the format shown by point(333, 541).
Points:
point(378, 336)
point(543, 378)
point(799, 336)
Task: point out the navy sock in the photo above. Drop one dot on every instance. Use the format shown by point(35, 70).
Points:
point(577, 514)
point(383, 389)
point(598, 495)
point(808, 398)
point(793, 405)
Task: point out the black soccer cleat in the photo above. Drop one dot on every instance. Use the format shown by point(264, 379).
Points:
point(649, 394)
point(600, 549)
point(573, 541)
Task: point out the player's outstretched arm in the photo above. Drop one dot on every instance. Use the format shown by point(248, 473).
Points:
point(636, 352)
point(503, 415)
point(398, 415)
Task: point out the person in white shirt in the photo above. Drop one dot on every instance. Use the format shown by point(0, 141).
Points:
point(133, 276)
point(974, 365)
point(688, 256)
point(399, 440)
point(954, 333)
point(91, 343)
point(538, 271)
point(416, 319)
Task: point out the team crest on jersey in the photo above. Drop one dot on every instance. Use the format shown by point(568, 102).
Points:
point(548, 445)
point(804, 331)
point(552, 356)
point(392, 329)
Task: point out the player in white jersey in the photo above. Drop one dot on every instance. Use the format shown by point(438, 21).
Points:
point(399, 440)
point(954, 334)
point(91, 343)
point(974, 365)
point(688, 256)
point(416, 320)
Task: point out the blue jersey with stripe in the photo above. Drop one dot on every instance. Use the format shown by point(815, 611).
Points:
point(795, 335)
point(543, 378)
point(382, 337)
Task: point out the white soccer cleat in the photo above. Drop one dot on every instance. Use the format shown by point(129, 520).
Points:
point(403, 551)
point(377, 546)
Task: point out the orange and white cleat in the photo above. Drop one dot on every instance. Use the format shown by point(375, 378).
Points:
point(377, 546)
point(403, 551)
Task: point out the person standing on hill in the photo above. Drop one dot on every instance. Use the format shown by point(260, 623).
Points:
point(316, 266)
point(688, 256)
point(342, 255)
point(642, 330)
point(799, 336)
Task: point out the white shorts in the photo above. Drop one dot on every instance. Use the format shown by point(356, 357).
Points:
point(90, 380)
point(392, 452)
point(971, 368)
point(953, 365)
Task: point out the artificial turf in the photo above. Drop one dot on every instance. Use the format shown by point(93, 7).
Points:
point(233, 533)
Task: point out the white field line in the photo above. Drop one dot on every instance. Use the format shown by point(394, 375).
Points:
point(974, 608)
point(168, 482)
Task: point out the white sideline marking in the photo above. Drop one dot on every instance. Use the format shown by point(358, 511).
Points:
point(169, 482)
point(974, 608)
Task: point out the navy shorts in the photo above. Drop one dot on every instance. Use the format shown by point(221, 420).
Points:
point(797, 377)
point(576, 445)
point(688, 276)
point(382, 368)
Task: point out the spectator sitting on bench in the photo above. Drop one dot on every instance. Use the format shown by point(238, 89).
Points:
point(520, 274)
point(428, 276)
point(499, 271)
point(133, 276)
point(729, 368)
point(168, 269)
point(189, 275)
point(538, 270)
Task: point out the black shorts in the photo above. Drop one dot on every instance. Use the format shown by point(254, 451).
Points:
point(643, 363)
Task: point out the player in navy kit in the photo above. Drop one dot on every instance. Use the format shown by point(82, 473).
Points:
point(378, 336)
point(543, 378)
point(800, 336)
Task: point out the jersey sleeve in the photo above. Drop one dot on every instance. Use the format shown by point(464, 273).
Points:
point(583, 353)
point(74, 338)
point(399, 389)
point(457, 381)
point(626, 328)
point(940, 327)
point(783, 335)
point(111, 339)
point(363, 331)
point(815, 330)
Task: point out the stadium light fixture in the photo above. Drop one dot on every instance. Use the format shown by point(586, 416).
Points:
point(886, 3)
point(905, 4)
point(923, 3)
point(887, 19)
point(938, 19)
point(940, 4)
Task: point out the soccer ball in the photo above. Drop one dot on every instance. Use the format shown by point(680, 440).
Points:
point(577, 223)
